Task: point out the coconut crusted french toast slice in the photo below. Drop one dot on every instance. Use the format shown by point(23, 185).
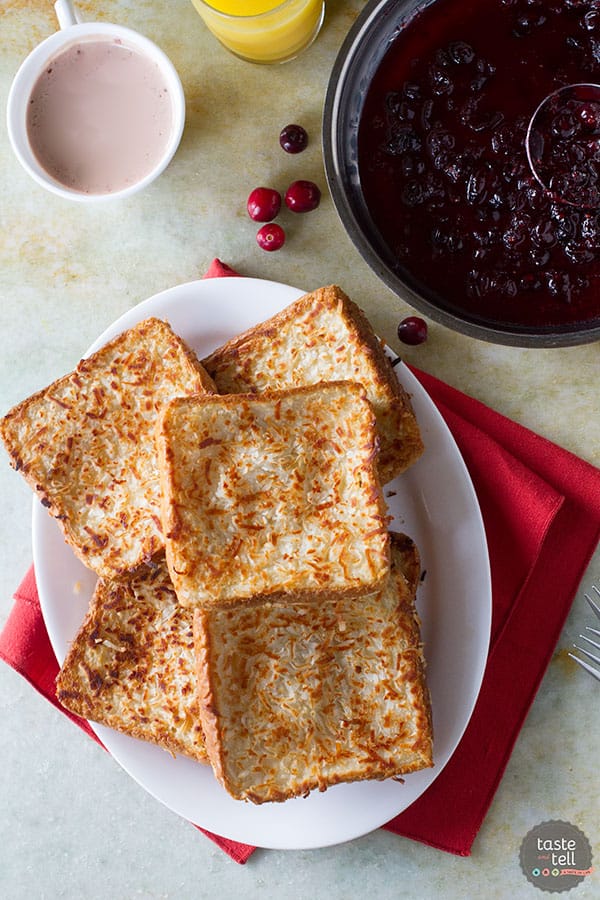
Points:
point(85, 444)
point(272, 496)
point(323, 336)
point(295, 698)
point(132, 666)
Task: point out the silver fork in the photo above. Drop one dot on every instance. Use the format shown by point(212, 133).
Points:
point(593, 670)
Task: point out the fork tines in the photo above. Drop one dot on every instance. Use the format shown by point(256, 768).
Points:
point(592, 603)
point(595, 672)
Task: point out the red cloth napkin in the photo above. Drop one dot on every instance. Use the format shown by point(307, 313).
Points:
point(541, 508)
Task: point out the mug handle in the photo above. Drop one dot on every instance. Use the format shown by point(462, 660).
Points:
point(66, 14)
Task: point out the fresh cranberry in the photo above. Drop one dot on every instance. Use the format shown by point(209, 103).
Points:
point(589, 116)
point(564, 124)
point(461, 53)
point(412, 330)
point(293, 139)
point(263, 204)
point(270, 237)
point(302, 196)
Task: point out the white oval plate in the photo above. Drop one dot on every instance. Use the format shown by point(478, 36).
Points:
point(434, 502)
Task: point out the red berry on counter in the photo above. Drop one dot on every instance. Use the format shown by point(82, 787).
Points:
point(270, 237)
point(263, 204)
point(302, 196)
point(293, 139)
point(412, 330)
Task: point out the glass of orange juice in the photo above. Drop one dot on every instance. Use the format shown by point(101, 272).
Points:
point(263, 31)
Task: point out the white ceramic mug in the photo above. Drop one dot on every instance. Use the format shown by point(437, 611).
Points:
point(72, 31)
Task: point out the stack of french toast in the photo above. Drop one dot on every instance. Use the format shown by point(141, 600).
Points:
point(252, 609)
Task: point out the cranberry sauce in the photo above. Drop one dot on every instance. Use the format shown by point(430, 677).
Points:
point(443, 162)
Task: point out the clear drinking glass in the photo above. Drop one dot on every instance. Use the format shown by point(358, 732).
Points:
point(263, 31)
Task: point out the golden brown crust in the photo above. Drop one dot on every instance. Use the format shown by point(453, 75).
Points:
point(273, 496)
point(207, 701)
point(132, 667)
point(275, 523)
point(85, 444)
point(323, 336)
point(408, 560)
point(298, 698)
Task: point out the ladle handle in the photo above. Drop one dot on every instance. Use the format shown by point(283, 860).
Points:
point(66, 14)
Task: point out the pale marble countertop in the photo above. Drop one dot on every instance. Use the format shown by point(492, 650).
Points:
point(72, 823)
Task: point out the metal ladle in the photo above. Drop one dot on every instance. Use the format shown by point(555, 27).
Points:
point(563, 145)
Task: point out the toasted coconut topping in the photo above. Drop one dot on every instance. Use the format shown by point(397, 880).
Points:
point(86, 444)
point(272, 640)
point(295, 698)
point(132, 665)
point(272, 506)
point(323, 336)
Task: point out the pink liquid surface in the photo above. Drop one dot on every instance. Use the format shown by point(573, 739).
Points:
point(99, 117)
